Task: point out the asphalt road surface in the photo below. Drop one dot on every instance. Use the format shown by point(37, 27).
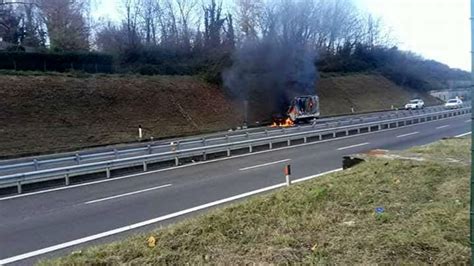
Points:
point(54, 222)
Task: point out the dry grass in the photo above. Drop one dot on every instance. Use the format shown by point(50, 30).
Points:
point(44, 113)
point(330, 220)
point(364, 92)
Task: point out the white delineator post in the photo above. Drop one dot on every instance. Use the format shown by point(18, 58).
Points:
point(140, 132)
point(288, 175)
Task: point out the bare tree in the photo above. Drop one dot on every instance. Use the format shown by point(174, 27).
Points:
point(248, 13)
point(66, 24)
point(150, 10)
point(213, 23)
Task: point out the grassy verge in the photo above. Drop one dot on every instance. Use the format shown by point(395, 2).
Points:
point(329, 220)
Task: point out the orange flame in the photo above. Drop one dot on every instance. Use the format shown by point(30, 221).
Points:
point(286, 123)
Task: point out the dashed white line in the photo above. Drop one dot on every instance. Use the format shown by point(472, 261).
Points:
point(127, 194)
point(442, 127)
point(463, 135)
point(151, 221)
point(409, 134)
point(263, 165)
point(353, 146)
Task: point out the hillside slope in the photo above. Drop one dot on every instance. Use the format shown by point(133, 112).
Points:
point(40, 114)
point(365, 93)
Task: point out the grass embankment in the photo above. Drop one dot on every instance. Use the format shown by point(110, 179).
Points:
point(44, 113)
point(329, 220)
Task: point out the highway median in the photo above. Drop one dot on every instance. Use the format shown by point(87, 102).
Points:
point(404, 207)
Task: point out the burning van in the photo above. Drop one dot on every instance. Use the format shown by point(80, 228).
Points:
point(302, 109)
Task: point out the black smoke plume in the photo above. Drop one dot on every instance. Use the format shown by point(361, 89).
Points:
point(270, 71)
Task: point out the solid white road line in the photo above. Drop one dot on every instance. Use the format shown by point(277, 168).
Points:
point(151, 221)
point(207, 162)
point(353, 146)
point(409, 134)
point(462, 135)
point(442, 127)
point(128, 194)
point(263, 165)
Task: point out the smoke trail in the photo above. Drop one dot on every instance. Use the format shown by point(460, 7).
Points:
point(270, 71)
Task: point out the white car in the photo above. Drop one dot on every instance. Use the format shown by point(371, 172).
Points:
point(415, 104)
point(453, 103)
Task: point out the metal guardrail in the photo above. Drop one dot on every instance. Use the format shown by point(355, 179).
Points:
point(289, 137)
point(78, 158)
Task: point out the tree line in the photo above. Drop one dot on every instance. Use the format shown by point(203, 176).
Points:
point(200, 36)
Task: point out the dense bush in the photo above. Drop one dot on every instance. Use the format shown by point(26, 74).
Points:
point(60, 62)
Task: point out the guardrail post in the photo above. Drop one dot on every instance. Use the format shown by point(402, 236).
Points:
point(145, 166)
point(270, 145)
point(334, 134)
point(305, 140)
point(150, 150)
point(66, 179)
point(288, 142)
point(18, 186)
point(107, 172)
point(116, 153)
point(78, 158)
point(250, 148)
point(228, 152)
point(35, 162)
point(204, 155)
point(176, 161)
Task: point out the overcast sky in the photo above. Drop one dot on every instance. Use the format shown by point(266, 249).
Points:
point(435, 29)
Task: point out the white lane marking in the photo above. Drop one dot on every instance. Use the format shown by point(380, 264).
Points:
point(263, 165)
point(353, 146)
point(152, 221)
point(468, 121)
point(409, 134)
point(216, 160)
point(442, 127)
point(462, 135)
point(127, 194)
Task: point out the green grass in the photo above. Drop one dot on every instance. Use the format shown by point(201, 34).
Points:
point(330, 220)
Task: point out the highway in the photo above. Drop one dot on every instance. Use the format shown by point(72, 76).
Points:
point(53, 222)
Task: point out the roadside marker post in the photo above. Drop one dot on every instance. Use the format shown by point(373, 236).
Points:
point(288, 175)
point(140, 132)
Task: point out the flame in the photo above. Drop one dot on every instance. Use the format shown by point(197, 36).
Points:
point(286, 123)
